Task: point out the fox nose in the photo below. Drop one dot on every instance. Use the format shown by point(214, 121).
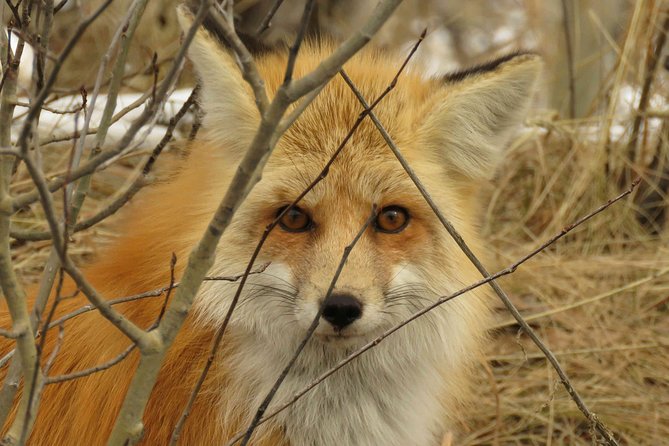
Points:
point(341, 310)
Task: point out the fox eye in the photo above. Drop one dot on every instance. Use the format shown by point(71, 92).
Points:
point(392, 219)
point(294, 220)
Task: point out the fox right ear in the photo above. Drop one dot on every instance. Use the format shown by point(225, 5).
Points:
point(231, 116)
point(473, 116)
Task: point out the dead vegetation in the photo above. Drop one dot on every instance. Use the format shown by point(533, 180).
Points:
point(599, 298)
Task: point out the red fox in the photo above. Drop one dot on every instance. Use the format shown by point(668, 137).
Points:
point(406, 391)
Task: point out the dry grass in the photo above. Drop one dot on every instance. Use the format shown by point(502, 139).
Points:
point(600, 301)
point(599, 298)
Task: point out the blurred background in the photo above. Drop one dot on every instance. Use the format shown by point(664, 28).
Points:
point(600, 297)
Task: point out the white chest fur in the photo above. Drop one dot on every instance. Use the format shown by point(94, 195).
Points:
point(390, 396)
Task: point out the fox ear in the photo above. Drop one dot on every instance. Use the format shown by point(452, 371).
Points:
point(476, 112)
point(231, 117)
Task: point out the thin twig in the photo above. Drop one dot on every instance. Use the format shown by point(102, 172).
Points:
point(90, 371)
point(295, 47)
point(60, 6)
point(15, 12)
point(56, 350)
point(153, 293)
point(174, 120)
point(170, 287)
point(91, 131)
point(53, 110)
point(267, 21)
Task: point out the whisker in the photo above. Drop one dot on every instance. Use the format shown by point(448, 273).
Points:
point(278, 278)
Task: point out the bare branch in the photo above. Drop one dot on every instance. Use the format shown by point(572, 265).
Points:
point(13, 293)
point(267, 21)
point(15, 12)
point(570, 58)
point(653, 57)
point(53, 110)
point(56, 349)
point(295, 48)
point(60, 6)
point(90, 371)
point(59, 137)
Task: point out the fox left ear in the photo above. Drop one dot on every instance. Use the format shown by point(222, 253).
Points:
point(476, 112)
point(230, 115)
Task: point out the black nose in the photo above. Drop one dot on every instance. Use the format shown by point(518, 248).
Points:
point(341, 310)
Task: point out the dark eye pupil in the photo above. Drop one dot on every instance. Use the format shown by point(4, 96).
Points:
point(294, 215)
point(392, 216)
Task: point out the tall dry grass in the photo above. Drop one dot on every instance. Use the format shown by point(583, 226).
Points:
point(600, 298)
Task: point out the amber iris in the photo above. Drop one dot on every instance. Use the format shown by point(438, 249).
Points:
point(392, 219)
point(294, 220)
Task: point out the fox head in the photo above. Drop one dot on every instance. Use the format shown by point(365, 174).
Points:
point(452, 132)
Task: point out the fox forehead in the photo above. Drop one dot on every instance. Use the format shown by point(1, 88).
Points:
point(325, 124)
point(347, 184)
point(365, 168)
